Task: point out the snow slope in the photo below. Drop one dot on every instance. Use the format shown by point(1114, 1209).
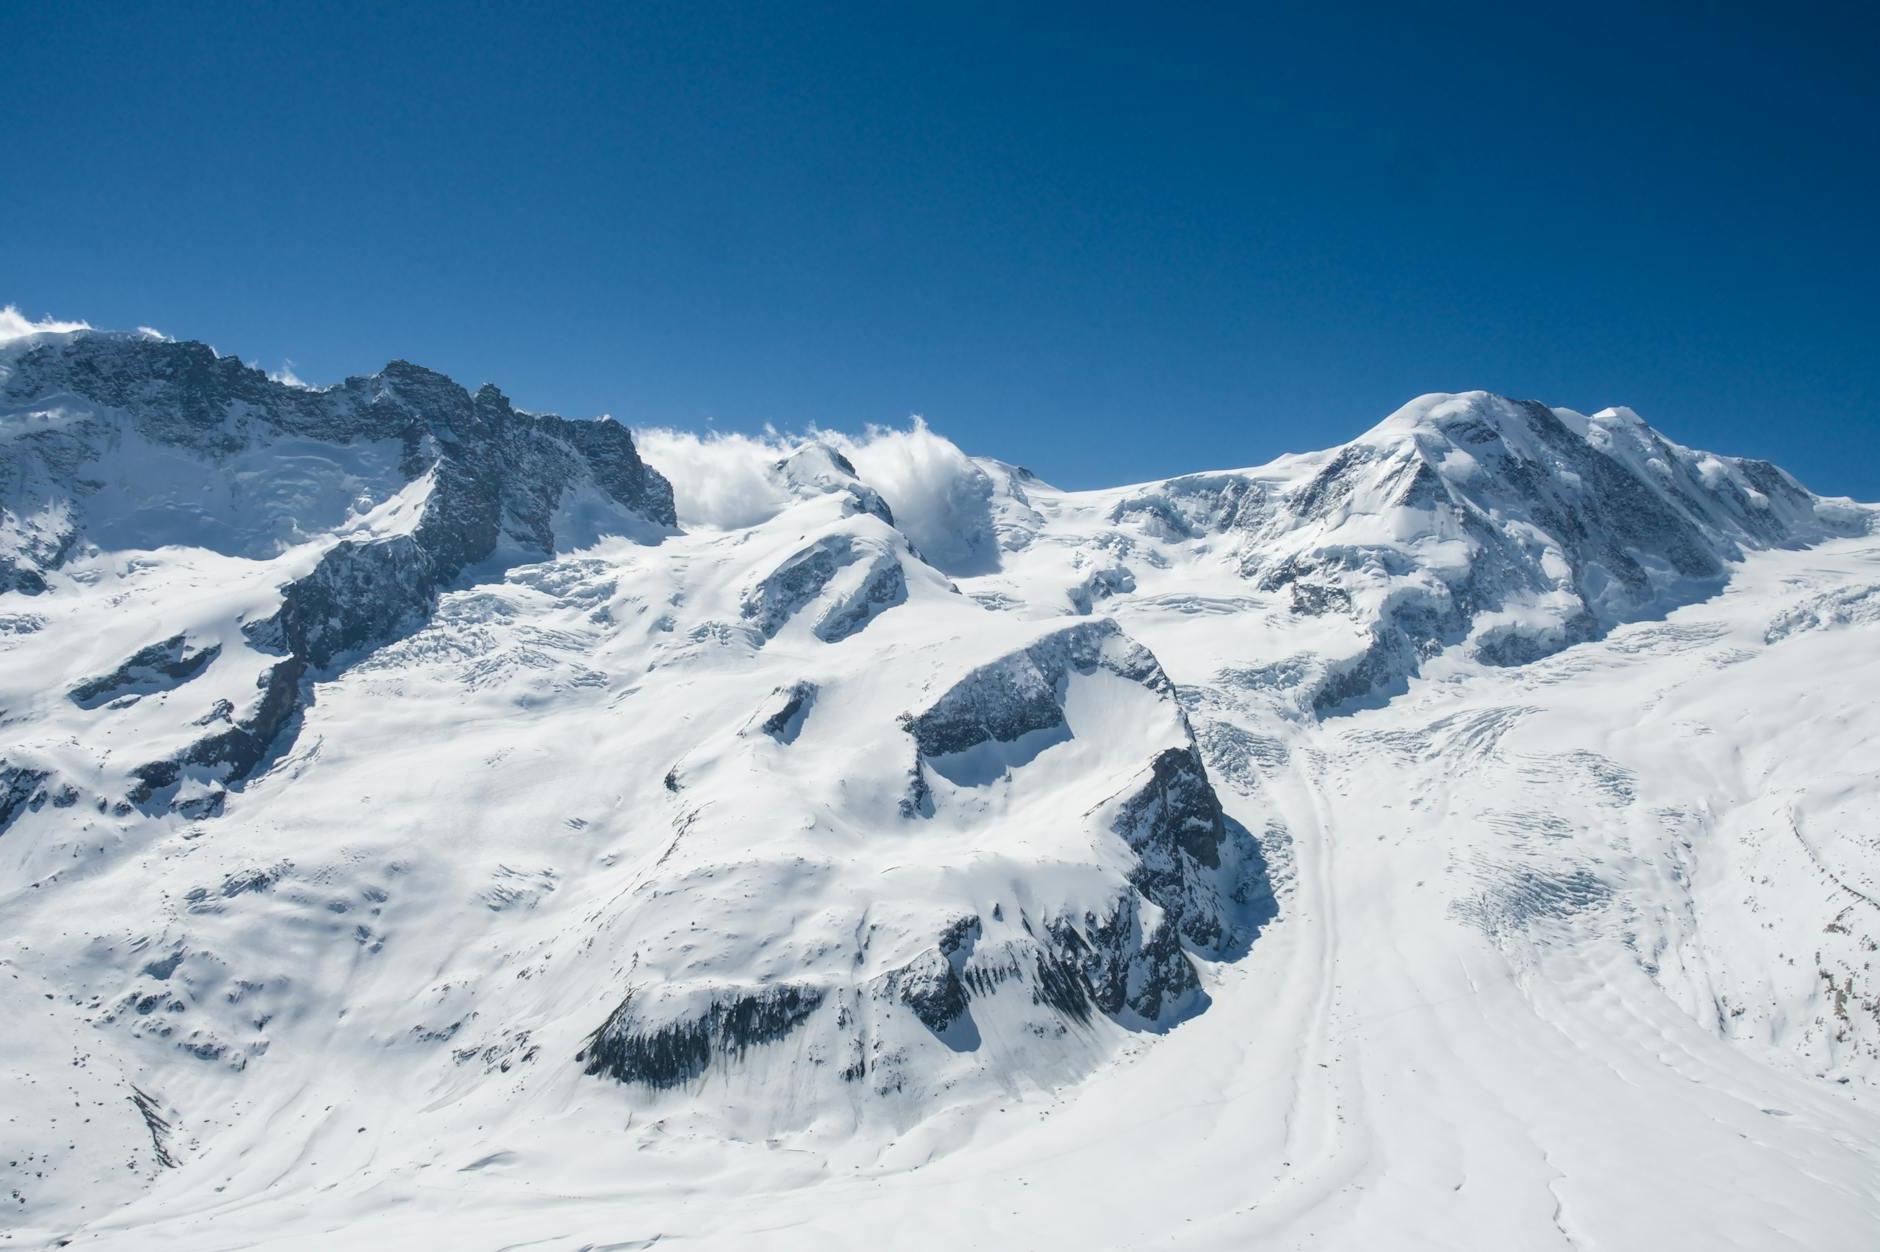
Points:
point(421, 825)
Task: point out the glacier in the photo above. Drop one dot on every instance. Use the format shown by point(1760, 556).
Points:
point(424, 821)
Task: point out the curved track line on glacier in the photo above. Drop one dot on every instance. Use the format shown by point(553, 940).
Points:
point(1795, 828)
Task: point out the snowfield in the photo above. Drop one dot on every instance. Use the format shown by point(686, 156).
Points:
point(425, 824)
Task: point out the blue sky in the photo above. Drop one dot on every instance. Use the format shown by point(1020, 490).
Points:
point(1107, 242)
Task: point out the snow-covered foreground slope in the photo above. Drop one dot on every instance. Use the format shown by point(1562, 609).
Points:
point(418, 828)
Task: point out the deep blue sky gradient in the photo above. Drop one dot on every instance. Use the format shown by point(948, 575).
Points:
point(1108, 242)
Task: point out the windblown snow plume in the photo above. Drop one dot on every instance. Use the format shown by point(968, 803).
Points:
point(459, 826)
point(940, 498)
point(16, 325)
point(721, 481)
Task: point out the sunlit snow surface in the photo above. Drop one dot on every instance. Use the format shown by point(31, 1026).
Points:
point(1575, 952)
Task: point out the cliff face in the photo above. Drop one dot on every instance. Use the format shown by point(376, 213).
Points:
point(126, 441)
point(401, 481)
point(1502, 528)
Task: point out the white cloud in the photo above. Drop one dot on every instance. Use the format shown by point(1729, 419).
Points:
point(720, 481)
point(939, 498)
point(287, 376)
point(13, 325)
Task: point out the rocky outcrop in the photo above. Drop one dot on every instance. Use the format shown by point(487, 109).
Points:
point(630, 1047)
point(1504, 528)
point(490, 484)
point(20, 788)
point(159, 667)
point(817, 469)
point(882, 585)
point(801, 577)
point(1176, 827)
point(231, 753)
point(1197, 504)
point(501, 473)
point(1020, 693)
point(1127, 963)
point(782, 716)
point(931, 986)
point(850, 582)
point(1129, 957)
point(496, 481)
point(1121, 947)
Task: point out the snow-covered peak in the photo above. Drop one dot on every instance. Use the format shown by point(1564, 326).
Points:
point(16, 326)
point(19, 335)
point(409, 800)
point(817, 469)
point(1466, 524)
point(1438, 410)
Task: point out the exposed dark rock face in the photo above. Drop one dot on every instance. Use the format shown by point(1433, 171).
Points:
point(806, 576)
point(497, 478)
point(1021, 693)
point(233, 753)
point(1570, 526)
point(672, 1053)
point(158, 667)
point(917, 798)
point(499, 473)
point(159, 1126)
point(185, 396)
point(1058, 982)
point(883, 586)
point(931, 985)
point(1177, 829)
point(20, 789)
point(1127, 962)
point(796, 582)
point(1510, 647)
point(359, 594)
point(782, 718)
point(1177, 809)
point(20, 570)
point(1127, 965)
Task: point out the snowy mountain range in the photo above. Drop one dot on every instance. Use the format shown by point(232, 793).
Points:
point(429, 823)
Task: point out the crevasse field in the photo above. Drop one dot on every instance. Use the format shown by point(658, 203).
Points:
point(429, 824)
